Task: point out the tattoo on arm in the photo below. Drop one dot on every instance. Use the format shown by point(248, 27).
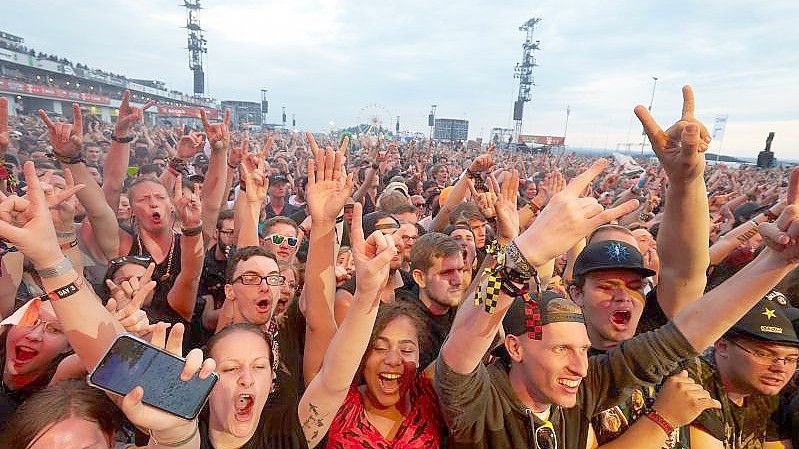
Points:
point(314, 422)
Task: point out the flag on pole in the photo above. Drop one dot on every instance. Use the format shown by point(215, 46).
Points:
point(718, 127)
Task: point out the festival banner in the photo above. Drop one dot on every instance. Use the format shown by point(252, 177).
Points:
point(181, 111)
point(51, 92)
point(542, 140)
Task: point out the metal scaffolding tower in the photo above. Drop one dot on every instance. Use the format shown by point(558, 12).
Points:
point(524, 72)
point(197, 45)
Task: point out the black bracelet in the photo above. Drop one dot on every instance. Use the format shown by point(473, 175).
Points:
point(127, 139)
point(67, 160)
point(191, 232)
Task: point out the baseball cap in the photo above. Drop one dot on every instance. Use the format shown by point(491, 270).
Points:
point(770, 320)
point(515, 320)
point(400, 186)
point(608, 255)
point(278, 178)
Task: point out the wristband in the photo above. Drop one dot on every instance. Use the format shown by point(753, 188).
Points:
point(62, 267)
point(658, 419)
point(191, 232)
point(67, 160)
point(63, 292)
point(69, 245)
point(127, 139)
point(232, 166)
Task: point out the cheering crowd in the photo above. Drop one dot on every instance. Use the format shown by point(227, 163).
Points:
point(381, 294)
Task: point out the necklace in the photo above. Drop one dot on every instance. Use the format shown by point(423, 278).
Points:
point(169, 256)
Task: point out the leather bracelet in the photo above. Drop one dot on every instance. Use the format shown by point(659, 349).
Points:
point(232, 166)
point(62, 267)
point(178, 443)
point(191, 232)
point(67, 160)
point(126, 139)
point(658, 419)
point(64, 292)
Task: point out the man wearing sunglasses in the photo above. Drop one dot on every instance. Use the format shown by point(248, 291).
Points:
point(280, 237)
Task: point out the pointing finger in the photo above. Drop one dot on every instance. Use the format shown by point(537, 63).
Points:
point(583, 180)
point(46, 119)
point(793, 187)
point(687, 103)
point(77, 120)
point(204, 118)
point(615, 213)
point(226, 121)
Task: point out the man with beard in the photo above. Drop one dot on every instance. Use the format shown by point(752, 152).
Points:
point(437, 268)
point(745, 371)
point(212, 282)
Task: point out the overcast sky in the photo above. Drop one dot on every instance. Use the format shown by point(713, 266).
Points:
point(327, 60)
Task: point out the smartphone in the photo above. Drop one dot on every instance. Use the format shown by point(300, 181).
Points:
point(131, 361)
point(641, 181)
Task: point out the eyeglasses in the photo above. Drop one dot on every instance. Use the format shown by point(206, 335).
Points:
point(273, 280)
point(545, 437)
point(277, 239)
point(767, 359)
point(50, 327)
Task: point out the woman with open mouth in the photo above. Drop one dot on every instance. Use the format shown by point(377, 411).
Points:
point(390, 404)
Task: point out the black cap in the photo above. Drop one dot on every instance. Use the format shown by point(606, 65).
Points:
point(770, 320)
point(515, 320)
point(278, 178)
point(609, 255)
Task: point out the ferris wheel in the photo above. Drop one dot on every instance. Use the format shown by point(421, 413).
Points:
point(372, 118)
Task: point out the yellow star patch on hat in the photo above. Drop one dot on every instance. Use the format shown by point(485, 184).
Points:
point(769, 313)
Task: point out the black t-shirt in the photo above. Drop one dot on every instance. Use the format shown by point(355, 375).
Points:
point(438, 327)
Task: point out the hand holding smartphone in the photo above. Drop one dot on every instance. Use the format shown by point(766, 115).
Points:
point(131, 362)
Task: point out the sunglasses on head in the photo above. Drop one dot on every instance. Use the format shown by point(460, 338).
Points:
point(277, 239)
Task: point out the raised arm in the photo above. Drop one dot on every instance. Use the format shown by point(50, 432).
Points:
point(327, 190)
point(705, 321)
point(566, 220)
point(183, 294)
point(327, 392)
point(115, 166)
point(67, 141)
point(479, 165)
point(682, 242)
point(215, 179)
point(248, 205)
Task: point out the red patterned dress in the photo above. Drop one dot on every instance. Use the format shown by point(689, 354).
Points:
point(423, 427)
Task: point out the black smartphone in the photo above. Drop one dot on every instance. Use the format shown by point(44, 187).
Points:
point(131, 362)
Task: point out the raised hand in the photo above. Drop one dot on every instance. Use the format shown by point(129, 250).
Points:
point(189, 207)
point(372, 256)
point(681, 147)
point(680, 400)
point(505, 206)
point(60, 201)
point(236, 153)
point(190, 144)
point(3, 125)
point(66, 139)
point(161, 425)
point(329, 186)
point(27, 224)
point(782, 236)
point(129, 115)
point(134, 291)
point(254, 173)
point(484, 162)
point(568, 218)
point(218, 134)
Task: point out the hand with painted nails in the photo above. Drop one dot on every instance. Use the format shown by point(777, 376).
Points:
point(680, 148)
point(65, 138)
